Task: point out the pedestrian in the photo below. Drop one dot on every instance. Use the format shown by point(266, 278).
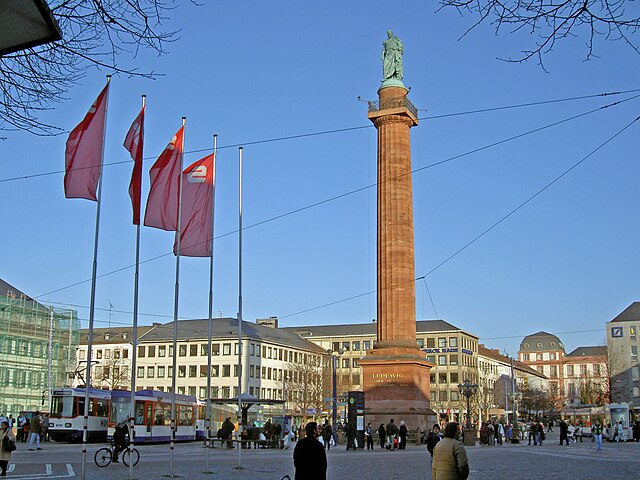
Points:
point(120, 439)
point(350, 432)
point(403, 435)
point(7, 445)
point(44, 421)
point(309, 457)
point(227, 430)
point(392, 431)
point(20, 422)
point(433, 438)
point(597, 434)
point(382, 435)
point(550, 427)
point(449, 456)
point(636, 431)
point(539, 433)
point(564, 429)
point(368, 433)
point(327, 434)
point(491, 430)
point(578, 433)
point(508, 433)
point(499, 433)
point(35, 431)
point(532, 433)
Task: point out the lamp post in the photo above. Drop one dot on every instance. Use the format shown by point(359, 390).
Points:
point(334, 360)
point(515, 397)
point(468, 389)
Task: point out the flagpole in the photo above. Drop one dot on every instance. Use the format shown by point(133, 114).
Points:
point(92, 303)
point(240, 314)
point(134, 358)
point(207, 442)
point(175, 313)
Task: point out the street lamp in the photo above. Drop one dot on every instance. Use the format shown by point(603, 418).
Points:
point(468, 389)
point(515, 397)
point(334, 359)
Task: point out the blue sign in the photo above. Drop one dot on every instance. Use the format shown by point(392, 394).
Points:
point(617, 332)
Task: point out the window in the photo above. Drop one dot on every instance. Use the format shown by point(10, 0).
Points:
point(553, 356)
point(82, 354)
point(356, 379)
point(170, 371)
point(539, 357)
point(99, 354)
point(442, 359)
point(151, 351)
point(431, 358)
point(453, 359)
point(162, 351)
point(443, 395)
point(635, 375)
point(181, 391)
point(182, 350)
point(151, 372)
point(453, 377)
point(203, 392)
point(345, 362)
point(636, 392)
point(432, 377)
point(117, 354)
point(366, 345)
point(632, 332)
point(140, 372)
point(335, 346)
point(583, 370)
point(226, 370)
point(525, 357)
point(171, 350)
point(226, 349)
point(160, 372)
point(193, 369)
point(204, 349)
point(453, 342)
point(125, 353)
point(540, 369)
point(596, 369)
point(454, 396)
point(442, 377)
point(236, 347)
point(107, 353)
point(226, 392)
point(569, 369)
point(420, 342)
point(431, 343)
point(215, 349)
point(554, 370)
point(442, 342)
point(235, 370)
point(264, 373)
point(215, 371)
point(182, 371)
point(634, 352)
point(355, 345)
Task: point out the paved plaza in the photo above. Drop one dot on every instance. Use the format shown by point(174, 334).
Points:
point(549, 461)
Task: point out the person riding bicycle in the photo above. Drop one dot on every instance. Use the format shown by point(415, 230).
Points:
point(120, 439)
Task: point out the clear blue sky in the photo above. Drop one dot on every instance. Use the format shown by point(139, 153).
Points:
point(565, 262)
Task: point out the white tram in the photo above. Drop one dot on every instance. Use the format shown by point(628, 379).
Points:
point(66, 420)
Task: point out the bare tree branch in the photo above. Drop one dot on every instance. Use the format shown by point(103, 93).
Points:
point(95, 33)
point(550, 21)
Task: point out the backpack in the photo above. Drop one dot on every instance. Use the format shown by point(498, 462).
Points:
point(8, 445)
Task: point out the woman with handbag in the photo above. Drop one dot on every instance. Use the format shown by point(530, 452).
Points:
point(7, 445)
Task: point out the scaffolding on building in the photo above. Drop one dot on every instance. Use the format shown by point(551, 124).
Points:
point(37, 350)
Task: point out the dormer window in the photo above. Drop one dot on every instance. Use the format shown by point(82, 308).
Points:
point(125, 335)
point(107, 336)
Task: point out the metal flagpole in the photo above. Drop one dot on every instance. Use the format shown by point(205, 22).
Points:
point(92, 303)
point(175, 314)
point(207, 441)
point(240, 314)
point(134, 358)
point(50, 359)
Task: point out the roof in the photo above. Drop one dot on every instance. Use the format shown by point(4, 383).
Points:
point(112, 336)
point(630, 314)
point(6, 290)
point(517, 365)
point(222, 328)
point(594, 351)
point(351, 329)
point(541, 341)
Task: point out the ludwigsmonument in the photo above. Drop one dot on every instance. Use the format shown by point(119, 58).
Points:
point(395, 372)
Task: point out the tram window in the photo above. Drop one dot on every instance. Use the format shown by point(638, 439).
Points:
point(102, 408)
point(139, 415)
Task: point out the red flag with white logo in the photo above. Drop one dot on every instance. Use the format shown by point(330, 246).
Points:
point(83, 153)
point(162, 204)
point(198, 181)
point(134, 142)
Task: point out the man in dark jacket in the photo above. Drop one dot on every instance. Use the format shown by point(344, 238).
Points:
point(564, 428)
point(309, 457)
point(392, 431)
point(433, 438)
point(382, 434)
point(402, 431)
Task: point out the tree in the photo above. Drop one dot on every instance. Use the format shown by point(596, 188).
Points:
point(95, 33)
point(112, 373)
point(550, 21)
point(307, 387)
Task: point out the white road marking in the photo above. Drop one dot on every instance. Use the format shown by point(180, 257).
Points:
point(48, 469)
point(11, 468)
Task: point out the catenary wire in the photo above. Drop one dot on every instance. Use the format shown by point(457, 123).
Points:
point(341, 130)
point(352, 192)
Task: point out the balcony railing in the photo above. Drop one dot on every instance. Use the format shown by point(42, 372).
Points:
point(395, 102)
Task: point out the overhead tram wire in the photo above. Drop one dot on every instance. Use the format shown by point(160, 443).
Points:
point(483, 233)
point(352, 192)
point(347, 129)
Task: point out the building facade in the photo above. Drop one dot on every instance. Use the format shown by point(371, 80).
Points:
point(545, 352)
point(453, 351)
point(623, 364)
point(585, 373)
point(277, 364)
point(37, 348)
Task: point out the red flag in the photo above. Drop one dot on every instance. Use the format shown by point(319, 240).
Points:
point(162, 204)
point(134, 142)
point(198, 181)
point(83, 155)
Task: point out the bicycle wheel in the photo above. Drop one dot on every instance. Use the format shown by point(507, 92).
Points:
point(102, 457)
point(127, 456)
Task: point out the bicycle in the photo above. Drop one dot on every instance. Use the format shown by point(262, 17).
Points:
point(104, 456)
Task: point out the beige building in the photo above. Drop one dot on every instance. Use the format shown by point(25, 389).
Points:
point(585, 374)
point(622, 342)
point(277, 363)
point(453, 351)
point(545, 352)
